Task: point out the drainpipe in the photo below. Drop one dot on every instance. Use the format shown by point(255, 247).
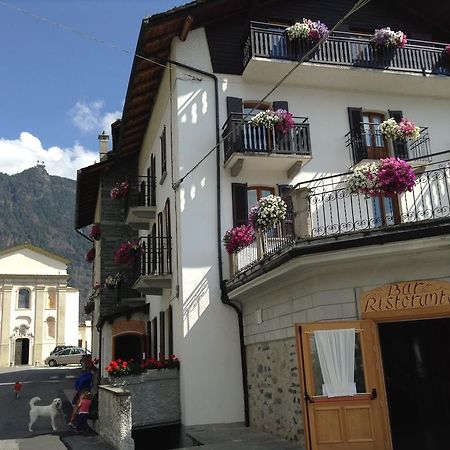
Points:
point(224, 295)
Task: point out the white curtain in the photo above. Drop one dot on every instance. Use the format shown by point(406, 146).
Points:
point(336, 351)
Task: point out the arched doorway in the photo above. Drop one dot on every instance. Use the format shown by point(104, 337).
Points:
point(21, 351)
point(127, 346)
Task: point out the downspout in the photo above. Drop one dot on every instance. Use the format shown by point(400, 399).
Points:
point(224, 295)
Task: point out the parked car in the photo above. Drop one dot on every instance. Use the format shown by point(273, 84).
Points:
point(71, 355)
point(58, 348)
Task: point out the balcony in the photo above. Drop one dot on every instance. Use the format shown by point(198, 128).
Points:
point(154, 267)
point(244, 143)
point(367, 142)
point(142, 203)
point(328, 217)
point(265, 43)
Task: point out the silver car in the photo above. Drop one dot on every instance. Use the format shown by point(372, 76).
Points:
point(66, 356)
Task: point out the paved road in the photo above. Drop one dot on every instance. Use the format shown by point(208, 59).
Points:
point(46, 383)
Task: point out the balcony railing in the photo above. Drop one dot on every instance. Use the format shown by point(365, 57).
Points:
point(348, 49)
point(241, 137)
point(142, 191)
point(156, 258)
point(331, 211)
point(367, 142)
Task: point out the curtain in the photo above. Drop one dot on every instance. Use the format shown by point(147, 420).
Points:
point(336, 352)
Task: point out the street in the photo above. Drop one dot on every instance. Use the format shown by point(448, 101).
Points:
point(46, 383)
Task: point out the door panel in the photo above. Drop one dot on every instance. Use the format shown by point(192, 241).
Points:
point(352, 422)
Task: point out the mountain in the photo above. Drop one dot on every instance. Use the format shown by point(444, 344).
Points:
point(38, 208)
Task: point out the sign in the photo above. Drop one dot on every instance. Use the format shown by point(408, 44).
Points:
point(409, 299)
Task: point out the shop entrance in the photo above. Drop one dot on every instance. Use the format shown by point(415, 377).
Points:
point(416, 362)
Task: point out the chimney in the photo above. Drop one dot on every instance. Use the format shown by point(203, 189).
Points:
point(103, 144)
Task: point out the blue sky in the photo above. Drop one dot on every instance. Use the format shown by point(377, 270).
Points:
point(58, 90)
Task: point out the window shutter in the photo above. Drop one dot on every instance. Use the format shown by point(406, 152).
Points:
point(234, 105)
point(359, 148)
point(400, 145)
point(284, 191)
point(240, 204)
point(162, 336)
point(149, 339)
point(280, 105)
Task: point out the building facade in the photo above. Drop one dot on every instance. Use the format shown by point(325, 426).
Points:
point(39, 310)
point(195, 166)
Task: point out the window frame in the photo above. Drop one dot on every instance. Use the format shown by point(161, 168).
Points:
point(29, 298)
point(47, 300)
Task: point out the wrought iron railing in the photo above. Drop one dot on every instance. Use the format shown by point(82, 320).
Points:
point(331, 210)
point(367, 142)
point(142, 191)
point(156, 256)
point(348, 49)
point(241, 137)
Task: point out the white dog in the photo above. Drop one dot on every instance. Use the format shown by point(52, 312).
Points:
point(51, 411)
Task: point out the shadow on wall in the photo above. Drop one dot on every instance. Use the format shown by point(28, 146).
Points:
point(195, 305)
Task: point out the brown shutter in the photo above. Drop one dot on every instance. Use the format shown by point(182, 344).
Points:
point(287, 227)
point(280, 105)
point(359, 148)
point(240, 204)
point(235, 143)
point(234, 105)
point(148, 352)
point(400, 145)
point(155, 338)
point(170, 330)
point(162, 336)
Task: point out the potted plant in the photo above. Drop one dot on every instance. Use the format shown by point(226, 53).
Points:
point(95, 231)
point(308, 30)
point(269, 212)
point(127, 253)
point(90, 255)
point(385, 37)
point(237, 238)
point(112, 281)
point(405, 129)
point(120, 190)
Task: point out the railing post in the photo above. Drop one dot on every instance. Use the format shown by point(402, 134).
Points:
point(233, 264)
point(302, 218)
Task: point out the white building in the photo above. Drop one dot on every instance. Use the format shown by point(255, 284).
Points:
point(39, 310)
point(221, 58)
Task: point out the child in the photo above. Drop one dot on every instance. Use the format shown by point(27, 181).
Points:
point(17, 388)
point(83, 411)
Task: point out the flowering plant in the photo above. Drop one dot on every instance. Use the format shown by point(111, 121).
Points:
point(95, 292)
point(89, 307)
point(120, 190)
point(395, 176)
point(120, 368)
point(447, 50)
point(271, 210)
point(127, 253)
point(401, 130)
point(237, 238)
point(95, 231)
point(387, 38)
point(364, 180)
point(280, 119)
point(111, 281)
point(307, 29)
point(90, 255)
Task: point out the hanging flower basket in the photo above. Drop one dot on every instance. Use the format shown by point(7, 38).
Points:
point(280, 119)
point(95, 292)
point(271, 210)
point(95, 231)
point(405, 129)
point(112, 281)
point(127, 253)
point(120, 190)
point(307, 29)
point(385, 37)
point(90, 255)
point(447, 50)
point(392, 176)
point(89, 307)
point(237, 238)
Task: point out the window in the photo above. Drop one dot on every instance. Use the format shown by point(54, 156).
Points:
point(24, 299)
point(51, 298)
point(256, 192)
point(51, 327)
point(163, 153)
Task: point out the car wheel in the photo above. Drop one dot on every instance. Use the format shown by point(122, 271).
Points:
point(81, 362)
point(52, 363)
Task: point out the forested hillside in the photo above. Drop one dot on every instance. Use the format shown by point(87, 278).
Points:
point(38, 208)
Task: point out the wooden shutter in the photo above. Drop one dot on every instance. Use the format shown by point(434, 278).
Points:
point(234, 105)
point(170, 330)
point(162, 336)
point(148, 351)
point(155, 338)
point(400, 145)
point(240, 204)
point(359, 148)
point(284, 191)
point(280, 105)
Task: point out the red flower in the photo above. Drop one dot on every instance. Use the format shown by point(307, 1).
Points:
point(90, 255)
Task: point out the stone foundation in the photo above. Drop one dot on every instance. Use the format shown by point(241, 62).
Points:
point(274, 389)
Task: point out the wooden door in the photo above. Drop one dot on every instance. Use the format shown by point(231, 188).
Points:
point(356, 422)
point(376, 143)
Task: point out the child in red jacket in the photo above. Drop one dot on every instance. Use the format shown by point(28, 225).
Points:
point(17, 388)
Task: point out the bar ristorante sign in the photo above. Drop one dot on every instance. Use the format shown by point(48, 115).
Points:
point(410, 298)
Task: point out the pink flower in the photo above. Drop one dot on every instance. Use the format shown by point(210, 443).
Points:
point(90, 255)
point(286, 122)
point(126, 253)
point(237, 238)
point(447, 49)
point(395, 176)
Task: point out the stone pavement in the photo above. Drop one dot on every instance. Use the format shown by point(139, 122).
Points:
point(213, 437)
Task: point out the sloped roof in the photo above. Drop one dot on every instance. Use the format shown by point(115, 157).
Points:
point(34, 248)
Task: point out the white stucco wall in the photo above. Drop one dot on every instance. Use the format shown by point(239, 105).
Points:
point(72, 318)
point(28, 262)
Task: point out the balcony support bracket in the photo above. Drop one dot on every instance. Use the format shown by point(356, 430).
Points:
point(294, 169)
point(237, 167)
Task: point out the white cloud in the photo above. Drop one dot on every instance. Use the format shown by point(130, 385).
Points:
point(90, 117)
point(23, 153)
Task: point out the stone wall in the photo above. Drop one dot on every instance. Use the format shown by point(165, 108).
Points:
point(274, 389)
point(115, 417)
